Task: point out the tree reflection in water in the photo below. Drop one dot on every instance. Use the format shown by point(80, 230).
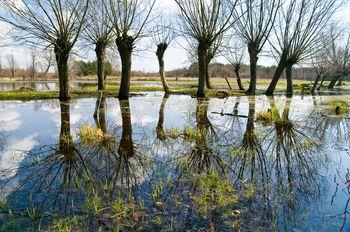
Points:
point(332, 128)
point(203, 155)
point(197, 168)
point(282, 163)
point(100, 113)
point(272, 172)
point(52, 173)
point(2, 141)
point(160, 127)
point(250, 153)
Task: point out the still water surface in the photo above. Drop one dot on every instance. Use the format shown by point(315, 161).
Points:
point(178, 162)
point(54, 86)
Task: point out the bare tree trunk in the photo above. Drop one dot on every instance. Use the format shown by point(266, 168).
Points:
point(125, 46)
point(289, 75)
point(161, 48)
point(46, 72)
point(321, 84)
point(62, 66)
point(278, 73)
point(202, 53)
point(207, 75)
point(333, 82)
point(239, 81)
point(315, 84)
point(253, 69)
point(100, 55)
point(340, 82)
point(12, 73)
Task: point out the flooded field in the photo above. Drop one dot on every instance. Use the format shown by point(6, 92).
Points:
point(176, 163)
point(54, 86)
point(34, 85)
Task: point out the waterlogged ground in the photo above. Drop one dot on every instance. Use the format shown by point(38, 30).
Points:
point(54, 86)
point(35, 85)
point(175, 163)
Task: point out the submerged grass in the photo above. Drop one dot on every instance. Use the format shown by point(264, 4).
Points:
point(95, 137)
point(337, 107)
point(267, 118)
point(90, 136)
point(173, 133)
point(216, 193)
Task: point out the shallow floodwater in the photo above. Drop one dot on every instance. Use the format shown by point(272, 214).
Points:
point(173, 162)
point(35, 85)
point(53, 86)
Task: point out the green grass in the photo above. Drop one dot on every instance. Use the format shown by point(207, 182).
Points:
point(337, 107)
point(26, 95)
point(112, 91)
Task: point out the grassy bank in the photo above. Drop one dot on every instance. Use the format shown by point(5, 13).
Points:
point(27, 95)
point(112, 91)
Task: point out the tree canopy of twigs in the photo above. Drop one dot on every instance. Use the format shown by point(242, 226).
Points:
point(299, 24)
point(339, 57)
point(254, 21)
point(163, 36)
point(129, 19)
point(57, 23)
point(99, 33)
point(320, 61)
point(11, 61)
point(204, 21)
point(235, 56)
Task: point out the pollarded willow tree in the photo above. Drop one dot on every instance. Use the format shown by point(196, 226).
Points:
point(129, 19)
point(204, 21)
point(214, 51)
point(295, 39)
point(235, 56)
point(320, 66)
point(255, 20)
point(54, 23)
point(162, 38)
point(99, 33)
point(319, 61)
point(339, 58)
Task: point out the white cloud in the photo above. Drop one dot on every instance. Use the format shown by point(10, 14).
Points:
point(9, 121)
point(12, 158)
point(15, 153)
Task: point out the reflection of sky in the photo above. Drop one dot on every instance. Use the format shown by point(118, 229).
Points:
point(34, 123)
point(9, 121)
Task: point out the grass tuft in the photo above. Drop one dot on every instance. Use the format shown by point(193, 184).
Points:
point(267, 118)
point(90, 136)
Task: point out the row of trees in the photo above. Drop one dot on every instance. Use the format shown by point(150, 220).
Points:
point(39, 66)
point(291, 29)
point(332, 62)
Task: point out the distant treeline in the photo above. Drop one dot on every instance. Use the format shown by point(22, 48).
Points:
point(89, 68)
point(222, 70)
point(18, 73)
